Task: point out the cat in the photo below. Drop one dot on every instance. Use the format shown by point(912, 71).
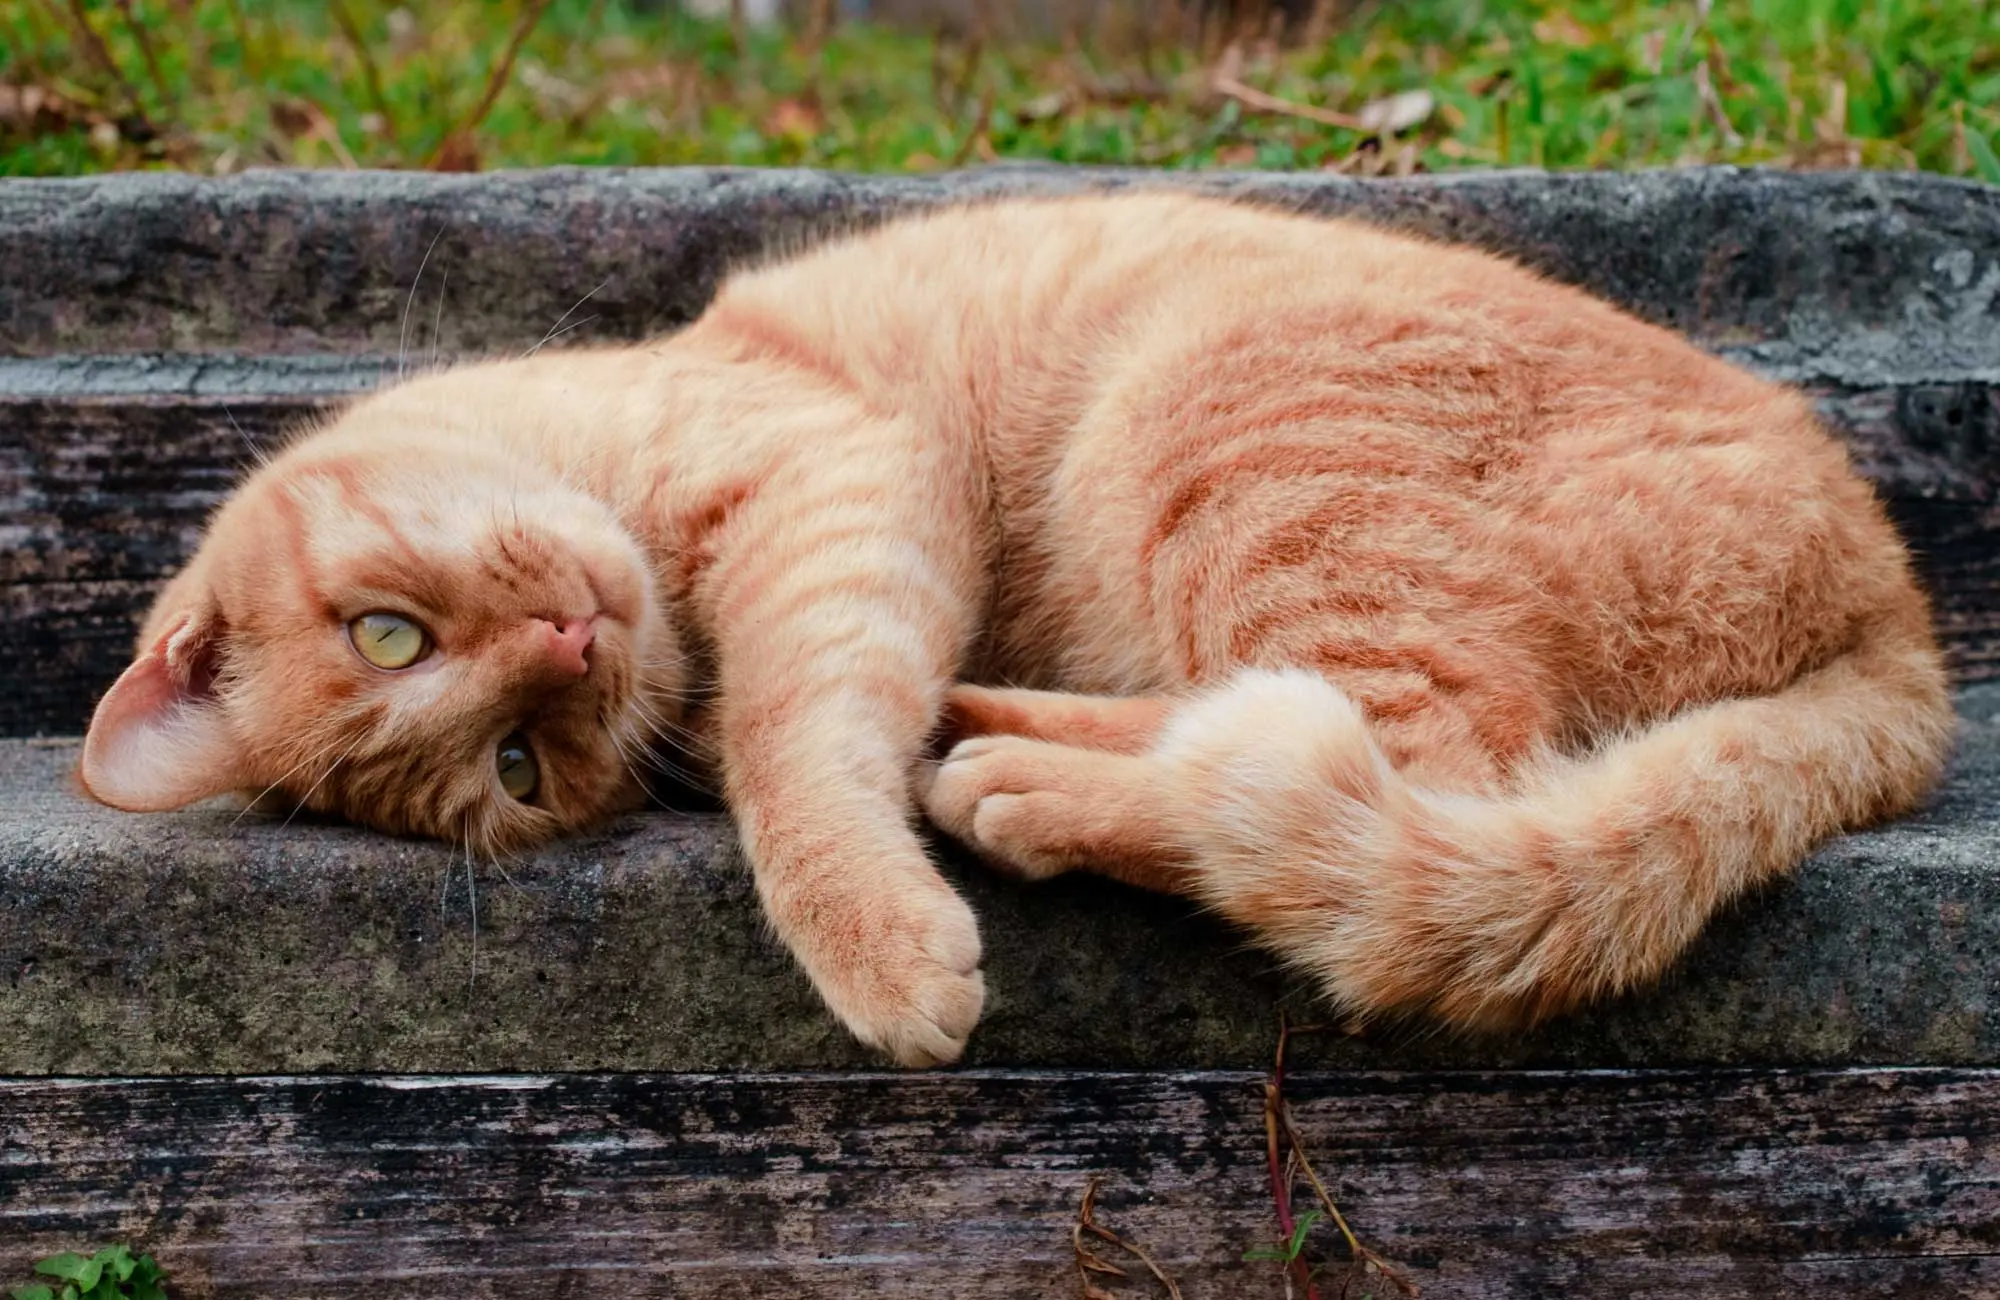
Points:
point(1467, 640)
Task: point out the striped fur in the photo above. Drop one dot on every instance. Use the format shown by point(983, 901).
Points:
point(1466, 639)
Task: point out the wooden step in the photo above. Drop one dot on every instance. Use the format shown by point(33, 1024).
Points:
point(1656, 1185)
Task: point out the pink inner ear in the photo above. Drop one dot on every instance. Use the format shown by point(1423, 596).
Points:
point(158, 739)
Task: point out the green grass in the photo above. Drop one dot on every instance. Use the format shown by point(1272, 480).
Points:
point(1596, 83)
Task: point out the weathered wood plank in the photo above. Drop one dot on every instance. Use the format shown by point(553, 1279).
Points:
point(102, 498)
point(1485, 1185)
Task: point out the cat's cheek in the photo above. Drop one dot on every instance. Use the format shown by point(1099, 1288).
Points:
point(629, 796)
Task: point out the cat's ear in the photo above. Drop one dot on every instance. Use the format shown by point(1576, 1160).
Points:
point(159, 739)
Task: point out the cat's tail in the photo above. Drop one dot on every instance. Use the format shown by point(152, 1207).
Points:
point(1588, 878)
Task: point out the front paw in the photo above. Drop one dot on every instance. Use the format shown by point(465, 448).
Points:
point(905, 976)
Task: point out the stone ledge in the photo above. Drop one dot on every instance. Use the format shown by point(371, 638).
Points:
point(1858, 279)
point(197, 943)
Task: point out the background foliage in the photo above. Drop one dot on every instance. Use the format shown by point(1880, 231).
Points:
point(1394, 85)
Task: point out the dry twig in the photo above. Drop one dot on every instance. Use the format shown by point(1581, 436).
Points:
point(100, 54)
point(321, 127)
point(977, 139)
point(1277, 1122)
point(1355, 1245)
point(1281, 1182)
point(371, 76)
point(1089, 1261)
point(458, 141)
point(1226, 82)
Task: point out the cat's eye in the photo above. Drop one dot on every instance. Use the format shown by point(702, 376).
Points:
point(519, 774)
point(388, 640)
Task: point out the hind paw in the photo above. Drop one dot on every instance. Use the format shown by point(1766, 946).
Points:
point(1037, 810)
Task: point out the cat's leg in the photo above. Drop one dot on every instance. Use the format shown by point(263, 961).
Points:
point(841, 607)
point(1117, 724)
point(818, 729)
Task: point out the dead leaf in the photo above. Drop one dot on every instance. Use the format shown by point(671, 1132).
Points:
point(651, 81)
point(1043, 107)
point(1832, 124)
point(556, 96)
point(1560, 28)
point(35, 110)
point(1088, 1262)
point(1653, 52)
point(1236, 155)
point(302, 119)
point(1397, 113)
point(406, 34)
point(794, 117)
point(458, 153)
point(1831, 148)
point(292, 116)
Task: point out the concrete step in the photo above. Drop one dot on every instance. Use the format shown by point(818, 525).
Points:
point(156, 330)
point(205, 942)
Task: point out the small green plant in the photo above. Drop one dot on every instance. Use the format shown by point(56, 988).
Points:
point(113, 1273)
point(1286, 1251)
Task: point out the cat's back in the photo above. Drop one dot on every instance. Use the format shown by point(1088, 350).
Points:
point(1029, 290)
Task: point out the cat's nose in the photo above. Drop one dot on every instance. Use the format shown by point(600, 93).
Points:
point(567, 641)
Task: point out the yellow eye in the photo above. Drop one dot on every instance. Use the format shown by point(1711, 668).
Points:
point(388, 640)
point(519, 774)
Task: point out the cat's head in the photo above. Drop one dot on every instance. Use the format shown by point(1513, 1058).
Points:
point(405, 622)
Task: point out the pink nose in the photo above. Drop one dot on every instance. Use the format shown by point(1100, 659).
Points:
point(567, 643)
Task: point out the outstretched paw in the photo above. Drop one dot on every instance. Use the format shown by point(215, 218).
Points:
point(913, 989)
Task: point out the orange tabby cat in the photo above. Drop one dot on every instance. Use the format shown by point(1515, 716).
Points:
point(1467, 639)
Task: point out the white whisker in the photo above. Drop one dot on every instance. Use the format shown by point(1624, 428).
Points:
point(256, 453)
point(403, 338)
point(437, 320)
point(307, 761)
point(552, 335)
point(565, 316)
point(331, 769)
point(472, 900)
